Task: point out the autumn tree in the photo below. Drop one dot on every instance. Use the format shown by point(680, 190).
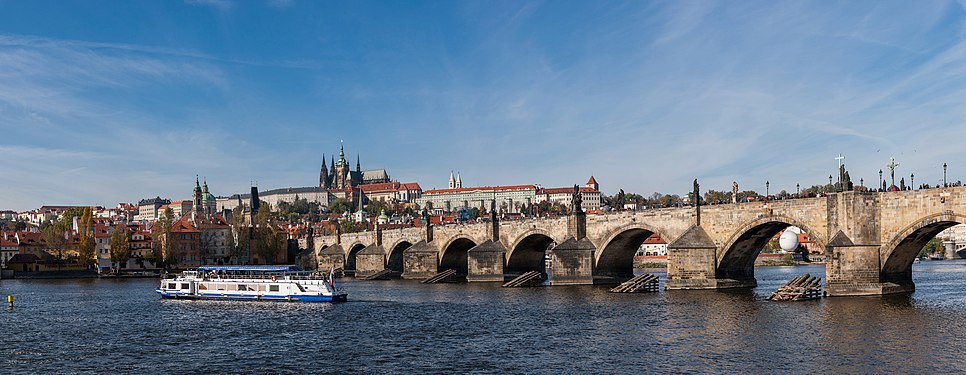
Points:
point(120, 248)
point(161, 247)
point(55, 235)
point(86, 246)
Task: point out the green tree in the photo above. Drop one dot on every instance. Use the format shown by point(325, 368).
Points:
point(120, 246)
point(375, 208)
point(934, 246)
point(340, 206)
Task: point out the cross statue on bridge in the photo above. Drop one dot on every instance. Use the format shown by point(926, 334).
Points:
point(840, 158)
point(892, 169)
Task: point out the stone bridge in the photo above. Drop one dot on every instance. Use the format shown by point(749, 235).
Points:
point(871, 240)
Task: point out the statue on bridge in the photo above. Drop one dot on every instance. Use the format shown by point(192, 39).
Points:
point(696, 200)
point(734, 192)
point(577, 200)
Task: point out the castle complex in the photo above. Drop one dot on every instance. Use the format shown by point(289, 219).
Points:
point(339, 176)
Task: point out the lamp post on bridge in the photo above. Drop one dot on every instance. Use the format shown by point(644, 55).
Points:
point(831, 187)
point(798, 190)
point(862, 182)
point(912, 181)
point(880, 180)
point(766, 190)
point(944, 175)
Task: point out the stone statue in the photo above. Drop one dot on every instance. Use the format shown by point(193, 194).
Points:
point(734, 192)
point(577, 200)
point(697, 200)
point(694, 198)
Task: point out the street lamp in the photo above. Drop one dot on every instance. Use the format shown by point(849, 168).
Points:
point(862, 182)
point(798, 190)
point(766, 189)
point(912, 181)
point(880, 181)
point(944, 174)
point(830, 186)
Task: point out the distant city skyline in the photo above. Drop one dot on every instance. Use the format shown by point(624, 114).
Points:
point(120, 101)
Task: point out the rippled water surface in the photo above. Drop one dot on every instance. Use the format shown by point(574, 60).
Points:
point(97, 326)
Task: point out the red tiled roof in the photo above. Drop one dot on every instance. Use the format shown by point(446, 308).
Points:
point(380, 188)
point(410, 186)
point(566, 190)
point(654, 239)
point(482, 188)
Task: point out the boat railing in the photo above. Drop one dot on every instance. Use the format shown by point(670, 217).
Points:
point(256, 276)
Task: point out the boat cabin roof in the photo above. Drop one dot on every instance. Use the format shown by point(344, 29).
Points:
point(250, 268)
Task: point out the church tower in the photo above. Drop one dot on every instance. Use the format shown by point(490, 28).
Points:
point(459, 181)
point(452, 181)
point(340, 179)
point(196, 197)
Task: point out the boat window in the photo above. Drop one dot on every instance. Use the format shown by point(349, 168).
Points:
point(184, 286)
point(203, 286)
point(242, 287)
point(172, 286)
point(220, 286)
point(273, 288)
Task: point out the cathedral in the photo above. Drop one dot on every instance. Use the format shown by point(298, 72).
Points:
point(340, 176)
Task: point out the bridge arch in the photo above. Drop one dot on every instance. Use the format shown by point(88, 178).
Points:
point(394, 260)
point(527, 252)
point(454, 254)
point(900, 252)
point(350, 258)
point(737, 258)
point(615, 254)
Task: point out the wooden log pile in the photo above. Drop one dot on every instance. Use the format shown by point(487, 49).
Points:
point(802, 288)
point(638, 284)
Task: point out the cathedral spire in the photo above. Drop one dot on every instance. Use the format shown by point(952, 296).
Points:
point(452, 180)
point(323, 175)
point(459, 181)
point(358, 165)
point(204, 189)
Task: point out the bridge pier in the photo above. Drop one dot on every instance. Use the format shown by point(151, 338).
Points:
point(331, 258)
point(573, 263)
point(486, 262)
point(370, 260)
point(420, 261)
point(854, 270)
point(692, 263)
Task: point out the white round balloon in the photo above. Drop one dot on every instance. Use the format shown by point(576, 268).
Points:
point(788, 240)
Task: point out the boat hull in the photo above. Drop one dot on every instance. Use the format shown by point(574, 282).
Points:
point(341, 297)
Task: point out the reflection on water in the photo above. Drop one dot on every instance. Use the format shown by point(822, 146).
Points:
point(97, 326)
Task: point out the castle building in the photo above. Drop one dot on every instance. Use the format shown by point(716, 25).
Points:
point(340, 175)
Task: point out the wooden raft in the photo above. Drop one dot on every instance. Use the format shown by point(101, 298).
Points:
point(442, 277)
point(529, 278)
point(639, 284)
point(802, 288)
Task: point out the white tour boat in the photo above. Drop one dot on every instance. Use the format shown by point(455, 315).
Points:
point(258, 283)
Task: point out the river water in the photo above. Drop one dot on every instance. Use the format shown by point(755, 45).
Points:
point(396, 327)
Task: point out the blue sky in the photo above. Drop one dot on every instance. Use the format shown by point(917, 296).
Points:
point(105, 102)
